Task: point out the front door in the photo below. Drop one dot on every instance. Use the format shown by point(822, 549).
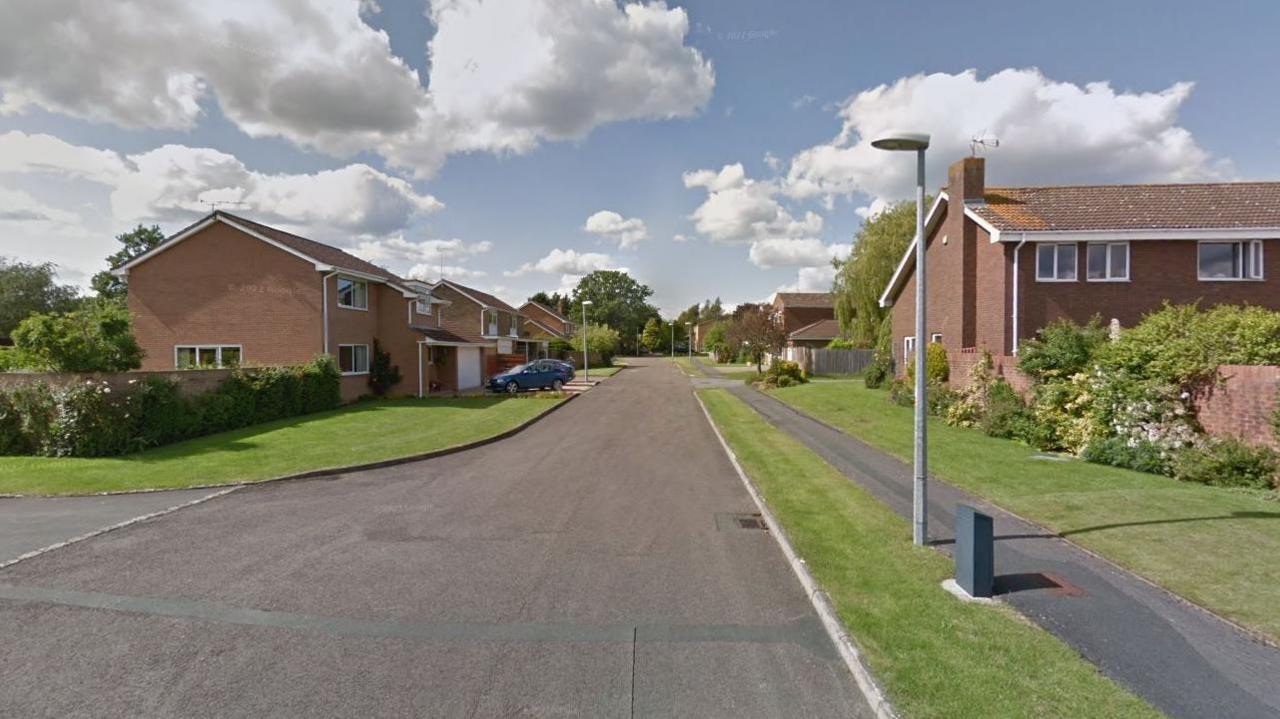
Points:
point(468, 367)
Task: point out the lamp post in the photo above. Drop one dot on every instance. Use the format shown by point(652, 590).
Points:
point(673, 339)
point(688, 338)
point(919, 142)
point(586, 359)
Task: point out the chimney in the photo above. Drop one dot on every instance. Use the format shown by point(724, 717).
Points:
point(966, 180)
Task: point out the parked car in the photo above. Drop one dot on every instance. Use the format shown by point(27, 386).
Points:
point(539, 374)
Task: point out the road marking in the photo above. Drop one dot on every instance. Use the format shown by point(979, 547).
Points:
point(806, 633)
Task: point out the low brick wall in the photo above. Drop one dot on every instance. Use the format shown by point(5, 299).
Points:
point(1242, 404)
point(962, 362)
point(190, 382)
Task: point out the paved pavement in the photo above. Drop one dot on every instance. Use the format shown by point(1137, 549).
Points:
point(581, 568)
point(1183, 660)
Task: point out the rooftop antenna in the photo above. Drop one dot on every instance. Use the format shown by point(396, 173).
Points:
point(214, 204)
point(983, 140)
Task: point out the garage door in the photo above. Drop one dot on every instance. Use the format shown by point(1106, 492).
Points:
point(468, 367)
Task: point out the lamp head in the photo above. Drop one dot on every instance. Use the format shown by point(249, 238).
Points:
point(902, 141)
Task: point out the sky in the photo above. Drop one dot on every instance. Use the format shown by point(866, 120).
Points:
point(710, 148)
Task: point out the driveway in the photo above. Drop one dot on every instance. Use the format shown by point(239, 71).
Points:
point(584, 567)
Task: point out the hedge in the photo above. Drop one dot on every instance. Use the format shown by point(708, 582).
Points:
point(89, 420)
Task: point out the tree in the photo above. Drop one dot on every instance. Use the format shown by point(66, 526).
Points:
point(602, 341)
point(96, 338)
point(861, 279)
point(382, 374)
point(654, 336)
point(27, 289)
point(717, 341)
point(711, 310)
point(756, 333)
point(555, 301)
point(137, 242)
point(617, 301)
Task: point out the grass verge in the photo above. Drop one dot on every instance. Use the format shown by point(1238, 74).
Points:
point(361, 433)
point(1216, 547)
point(602, 372)
point(934, 656)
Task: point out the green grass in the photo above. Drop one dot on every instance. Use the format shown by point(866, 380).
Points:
point(1216, 547)
point(934, 655)
point(740, 374)
point(602, 372)
point(364, 432)
point(687, 366)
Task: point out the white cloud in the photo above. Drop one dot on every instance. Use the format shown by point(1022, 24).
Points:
point(566, 262)
point(803, 100)
point(1049, 131)
point(740, 209)
point(504, 76)
point(811, 279)
point(680, 238)
point(610, 225)
point(423, 258)
point(772, 162)
point(805, 252)
point(428, 271)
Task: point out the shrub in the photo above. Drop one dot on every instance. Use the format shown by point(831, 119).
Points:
point(971, 402)
point(1227, 462)
point(902, 392)
point(13, 439)
point(10, 360)
point(876, 373)
point(1062, 349)
point(780, 368)
point(937, 369)
point(87, 422)
point(160, 414)
point(1119, 452)
point(97, 338)
point(843, 343)
point(1007, 415)
point(785, 381)
point(382, 374)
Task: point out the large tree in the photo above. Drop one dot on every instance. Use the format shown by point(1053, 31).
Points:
point(555, 301)
point(755, 333)
point(862, 278)
point(136, 242)
point(617, 300)
point(28, 289)
point(98, 337)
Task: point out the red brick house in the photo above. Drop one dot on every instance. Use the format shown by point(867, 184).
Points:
point(1005, 261)
point(544, 323)
point(491, 328)
point(229, 291)
point(794, 310)
point(816, 335)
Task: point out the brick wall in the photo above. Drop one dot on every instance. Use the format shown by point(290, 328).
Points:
point(1242, 405)
point(961, 364)
point(190, 382)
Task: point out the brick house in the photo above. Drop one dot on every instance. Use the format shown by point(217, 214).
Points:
point(1006, 261)
point(700, 330)
point(816, 335)
point(229, 291)
point(544, 323)
point(794, 310)
point(492, 331)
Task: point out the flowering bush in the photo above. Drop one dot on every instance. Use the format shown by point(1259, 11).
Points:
point(87, 422)
point(970, 404)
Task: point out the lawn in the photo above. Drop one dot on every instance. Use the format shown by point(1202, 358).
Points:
point(357, 434)
point(687, 366)
point(1216, 547)
point(602, 372)
point(933, 655)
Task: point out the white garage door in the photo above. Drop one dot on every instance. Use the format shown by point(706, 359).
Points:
point(468, 367)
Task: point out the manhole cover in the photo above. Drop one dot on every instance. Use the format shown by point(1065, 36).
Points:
point(737, 521)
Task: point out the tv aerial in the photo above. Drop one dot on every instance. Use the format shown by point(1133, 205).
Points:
point(984, 141)
point(215, 204)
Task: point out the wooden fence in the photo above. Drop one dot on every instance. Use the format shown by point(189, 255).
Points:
point(825, 361)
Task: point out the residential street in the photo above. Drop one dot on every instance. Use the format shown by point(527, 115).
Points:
point(584, 567)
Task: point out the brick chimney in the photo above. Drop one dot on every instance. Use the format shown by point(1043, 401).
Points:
point(966, 180)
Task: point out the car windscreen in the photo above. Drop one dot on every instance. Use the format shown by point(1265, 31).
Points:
point(519, 368)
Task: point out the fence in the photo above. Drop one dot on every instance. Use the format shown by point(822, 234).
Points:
point(825, 361)
point(191, 382)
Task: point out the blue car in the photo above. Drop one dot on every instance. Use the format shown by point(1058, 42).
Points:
point(539, 374)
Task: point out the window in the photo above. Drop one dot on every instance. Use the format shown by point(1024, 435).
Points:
point(936, 337)
point(1107, 262)
point(1056, 262)
point(353, 294)
point(424, 307)
point(908, 346)
point(353, 359)
point(1230, 260)
point(206, 356)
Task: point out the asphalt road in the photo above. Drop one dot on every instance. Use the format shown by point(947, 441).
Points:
point(584, 567)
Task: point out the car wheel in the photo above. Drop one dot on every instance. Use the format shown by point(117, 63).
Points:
point(557, 385)
point(512, 388)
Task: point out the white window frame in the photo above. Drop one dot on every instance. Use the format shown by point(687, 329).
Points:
point(353, 360)
point(354, 281)
point(1055, 246)
point(420, 304)
point(1107, 272)
point(1252, 268)
point(217, 347)
point(908, 346)
point(935, 338)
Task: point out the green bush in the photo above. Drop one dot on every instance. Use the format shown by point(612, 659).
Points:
point(780, 368)
point(160, 414)
point(88, 422)
point(382, 374)
point(13, 439)
point(1227, 462)
point(875, 374)
point(1142, 456)
point(902, 392)
point(1062, 349)
point(785, 381)
point(97, 338)
point(10, 359)
point(843, 343)
point(937, 369)
point(1007, 415)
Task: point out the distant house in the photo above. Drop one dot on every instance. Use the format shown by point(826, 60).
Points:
point(1006, 261)
point(700, 330)
point(545, 323)
point(794, 310)
point(815, 335)
point(492, 328)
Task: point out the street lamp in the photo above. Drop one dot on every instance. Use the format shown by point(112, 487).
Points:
point(586, 359)
point(919, 142)
point(673, 339)
point(688, 338)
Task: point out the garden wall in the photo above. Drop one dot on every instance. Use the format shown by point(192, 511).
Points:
point(191, 382)
point(962, 362)
point(1242, 405)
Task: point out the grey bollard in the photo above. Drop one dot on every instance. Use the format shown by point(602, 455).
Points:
point(975, 552)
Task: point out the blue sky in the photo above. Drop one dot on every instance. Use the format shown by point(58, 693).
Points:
point(737, 127)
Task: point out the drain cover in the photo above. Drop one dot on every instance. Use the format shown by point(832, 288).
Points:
point(737, 521)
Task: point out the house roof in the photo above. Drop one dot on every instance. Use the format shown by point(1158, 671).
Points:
point(548, 310)
point(480, 298)
point(549, 330)
point(439, 335)
point(821, 330)
point(1217, 205)
point(805, 299)
point(324, 257)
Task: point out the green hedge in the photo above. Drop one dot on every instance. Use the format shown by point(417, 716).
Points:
point(89, 420)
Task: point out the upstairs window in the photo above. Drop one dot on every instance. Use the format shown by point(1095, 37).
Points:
point(353, 294)
point(424, 307)
point(1230, 260)
point(1056, 262)
point(1107, 262)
